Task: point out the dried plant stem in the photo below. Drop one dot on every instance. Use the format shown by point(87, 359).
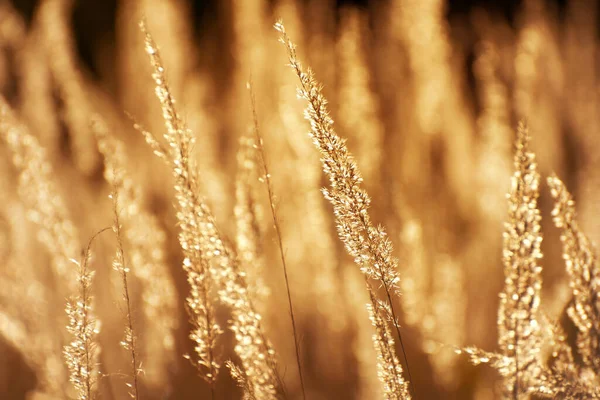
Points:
point(145, 240)
point(397, 327)
point(267, 179)
point(369, 245)
point(132, 339)
point(81, 353)
point(518, 314)
point(523, 329)
point(210, 263)
point(388, 365)
point(197, 233)
point(582, 266)
point(119, 264)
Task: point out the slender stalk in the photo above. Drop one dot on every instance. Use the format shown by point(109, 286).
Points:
point(85, 308)
point(119, 264)
point(192, 214)
point(395, 319)
point(382, 333)
point(267, 179)
point(368, 244)
point(144, 238)
point(387, 289)
point(80, 352)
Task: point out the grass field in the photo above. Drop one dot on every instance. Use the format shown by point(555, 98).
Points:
point(299, 200)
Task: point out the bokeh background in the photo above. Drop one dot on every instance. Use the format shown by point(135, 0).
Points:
point(428, 94)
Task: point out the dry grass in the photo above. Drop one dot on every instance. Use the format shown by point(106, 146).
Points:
point(237, 244)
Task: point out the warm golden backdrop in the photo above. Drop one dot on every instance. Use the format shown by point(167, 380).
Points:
point(428, 102)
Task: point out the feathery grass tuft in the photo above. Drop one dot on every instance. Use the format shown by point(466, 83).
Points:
point(582, 266)
point(369, 245)
point(518, 320)
point(191, 215)
point(205, 247)
point(81, 354)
